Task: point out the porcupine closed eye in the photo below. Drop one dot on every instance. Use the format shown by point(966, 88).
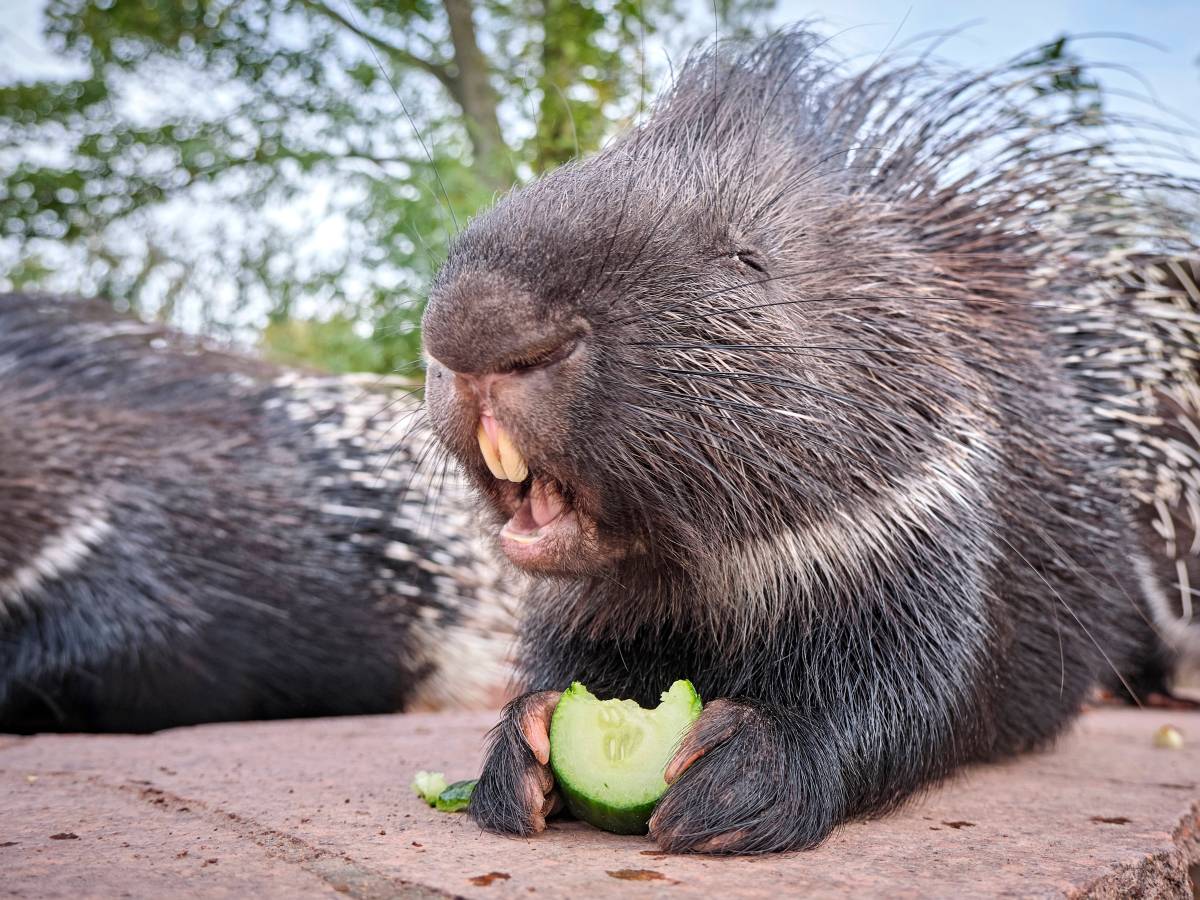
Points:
point(188, 535)
point(855, 399)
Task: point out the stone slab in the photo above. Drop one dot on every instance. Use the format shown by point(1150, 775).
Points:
point(322, 807)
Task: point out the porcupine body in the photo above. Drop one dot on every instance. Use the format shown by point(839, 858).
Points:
point(188, 535)
point(842, 396)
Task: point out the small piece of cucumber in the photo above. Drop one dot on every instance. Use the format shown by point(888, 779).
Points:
point(428, 785)
point(456, 796)
point(609, 756)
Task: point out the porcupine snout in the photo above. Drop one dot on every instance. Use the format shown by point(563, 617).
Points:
point(508, 376)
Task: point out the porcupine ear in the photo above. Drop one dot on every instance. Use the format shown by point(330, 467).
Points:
point(1163, 299)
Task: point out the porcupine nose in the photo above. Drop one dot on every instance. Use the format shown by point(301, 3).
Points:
point(482, 386)
point(503, 370)
point(495, 442)
point(478, 324)
point(482, 389)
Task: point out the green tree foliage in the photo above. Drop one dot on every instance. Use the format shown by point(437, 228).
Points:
point(180, 173)
point(1056, 69)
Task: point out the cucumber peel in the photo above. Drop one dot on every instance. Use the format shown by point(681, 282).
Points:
point(432, 788)
point(609, 756)
point(457, 796)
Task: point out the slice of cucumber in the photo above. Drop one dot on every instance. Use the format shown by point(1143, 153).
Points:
point(427, 786)
point(609, 756)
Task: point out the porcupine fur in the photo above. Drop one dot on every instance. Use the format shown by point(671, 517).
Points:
point(864, 415)
point(190, 535)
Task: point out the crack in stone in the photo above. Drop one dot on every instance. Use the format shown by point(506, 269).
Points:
point(339, 870)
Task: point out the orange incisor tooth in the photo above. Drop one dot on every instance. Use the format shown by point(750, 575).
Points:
point(490, 456)
point(511, 459)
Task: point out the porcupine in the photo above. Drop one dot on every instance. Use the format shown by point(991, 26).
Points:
point(190, 535)
point(844, 396)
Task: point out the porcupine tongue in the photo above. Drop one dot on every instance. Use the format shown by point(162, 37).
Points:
point(542, 506)
point(545, 502)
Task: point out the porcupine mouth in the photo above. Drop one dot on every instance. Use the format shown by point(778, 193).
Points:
point(543, 532)
point(543, 528)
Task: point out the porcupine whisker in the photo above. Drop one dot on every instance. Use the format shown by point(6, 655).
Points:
point(791, 349)
point(653, 231)
point(668, 208)
point(848, 358)
point(634, 173)
point(844, 360)
point(414, 418)
point(1088, 576)
point(792, 302)
point(726, 442)
point(804, 301)
point(429, 446)
point(362, 393)
point(1058, 596)
point(448, 206)
point(681, 304)
point(421, 456)
point(788, 425)
point(442, 466)
point(435, 259)
point(773, 381)
point(415, 407)
point(616, 230)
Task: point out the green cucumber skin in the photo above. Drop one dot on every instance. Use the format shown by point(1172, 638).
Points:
point(633, 820)
point(457, 796)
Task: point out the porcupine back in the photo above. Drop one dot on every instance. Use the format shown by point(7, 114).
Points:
point(191, 535)
point(1154, 335)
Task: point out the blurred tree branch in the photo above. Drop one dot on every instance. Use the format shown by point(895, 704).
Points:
point(225, 163)
point(475, 95)
point(438, 70)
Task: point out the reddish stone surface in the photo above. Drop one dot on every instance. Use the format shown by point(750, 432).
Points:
point(292, 809)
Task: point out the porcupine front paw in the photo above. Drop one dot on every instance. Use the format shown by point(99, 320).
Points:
point(516, 790)
point(748, 778)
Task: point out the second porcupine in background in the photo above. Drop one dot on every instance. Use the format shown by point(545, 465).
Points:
point(860, 401)
point(190, 535)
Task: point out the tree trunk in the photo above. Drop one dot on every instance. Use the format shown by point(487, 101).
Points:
point(556, 137)
point(474, 93)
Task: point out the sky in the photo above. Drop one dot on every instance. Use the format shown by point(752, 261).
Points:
point(23, 55)
point(997, 30)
